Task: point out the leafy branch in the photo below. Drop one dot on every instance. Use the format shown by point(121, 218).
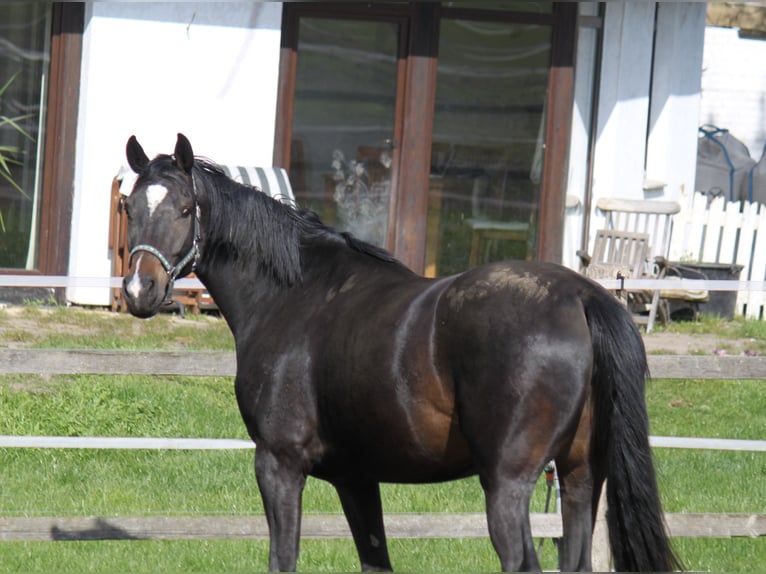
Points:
point(9, 153)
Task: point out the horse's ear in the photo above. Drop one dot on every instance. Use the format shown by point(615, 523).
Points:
point(137, 159)
point(184, 154)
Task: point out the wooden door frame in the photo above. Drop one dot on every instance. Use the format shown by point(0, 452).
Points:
point(60, 137)
point(558, 128)
point(411, 202)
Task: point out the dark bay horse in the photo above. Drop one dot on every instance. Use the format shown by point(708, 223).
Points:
point(353, 369)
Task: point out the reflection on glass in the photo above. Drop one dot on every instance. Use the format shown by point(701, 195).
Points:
point(343, 120)
point(24, 32)
point(486, 157)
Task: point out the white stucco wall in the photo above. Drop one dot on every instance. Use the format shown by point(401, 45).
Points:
point(209, 70)
point(734, 86)
point(621, 115)
point(671, 156)
point(623, 100)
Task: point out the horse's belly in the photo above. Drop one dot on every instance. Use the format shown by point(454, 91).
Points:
point(399, 469)
point(425, 446)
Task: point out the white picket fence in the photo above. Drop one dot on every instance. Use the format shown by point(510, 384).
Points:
point(713, 230)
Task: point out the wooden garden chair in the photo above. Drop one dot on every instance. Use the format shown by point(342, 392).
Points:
point(635, 244)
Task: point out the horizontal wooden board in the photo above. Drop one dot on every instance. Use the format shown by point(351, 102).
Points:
point(223, 364)
point(468, 525)
point(716, 525)
point(434, 525)
point(98, 362)
point(707, 367)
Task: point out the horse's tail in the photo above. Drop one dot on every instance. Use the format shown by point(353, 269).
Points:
point(620, 441)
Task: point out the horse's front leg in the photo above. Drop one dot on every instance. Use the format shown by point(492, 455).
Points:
point(364, 512)
point(281, 485)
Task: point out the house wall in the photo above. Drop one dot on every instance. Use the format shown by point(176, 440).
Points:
point(648, 104)
point(734, 86)
point(623, 100)
point(674, 111)
point(209, 70)
point(582, 115)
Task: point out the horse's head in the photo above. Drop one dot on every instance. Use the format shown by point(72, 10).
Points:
point(163, 225)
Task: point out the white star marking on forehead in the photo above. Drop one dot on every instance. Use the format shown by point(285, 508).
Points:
point(155, 193)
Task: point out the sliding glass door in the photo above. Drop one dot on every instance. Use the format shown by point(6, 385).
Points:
point(426, 128)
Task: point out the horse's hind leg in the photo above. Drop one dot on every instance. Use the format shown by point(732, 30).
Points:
point(364, 512)
point(508, 522)
point(577, 491)
point(576, 498)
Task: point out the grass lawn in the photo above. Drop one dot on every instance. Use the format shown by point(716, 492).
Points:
point(47, 482)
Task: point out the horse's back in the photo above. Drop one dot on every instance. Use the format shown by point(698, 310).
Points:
point(514, 298)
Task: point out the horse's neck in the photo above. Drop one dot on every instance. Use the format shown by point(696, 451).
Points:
point(245, 293)
point(238, 293)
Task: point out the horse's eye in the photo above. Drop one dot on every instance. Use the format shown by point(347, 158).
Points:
point(186, 211)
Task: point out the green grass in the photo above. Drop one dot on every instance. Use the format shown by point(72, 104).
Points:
point(76, 328)
point(60, 482)
point(702, 480)
point(739, 328)
point(708, 408)
point(243, 556)
point(81, 405)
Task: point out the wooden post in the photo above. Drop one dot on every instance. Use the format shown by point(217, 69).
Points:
point(601, 555)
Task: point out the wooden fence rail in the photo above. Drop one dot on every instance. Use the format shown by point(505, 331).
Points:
point(223, 364)
point(433, 525)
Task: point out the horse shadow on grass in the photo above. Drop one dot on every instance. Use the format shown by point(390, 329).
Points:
point(101, 530)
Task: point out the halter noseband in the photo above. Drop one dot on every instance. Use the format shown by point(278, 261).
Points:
point(191, 256)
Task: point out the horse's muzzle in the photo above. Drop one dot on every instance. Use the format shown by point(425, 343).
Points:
point(144, 293)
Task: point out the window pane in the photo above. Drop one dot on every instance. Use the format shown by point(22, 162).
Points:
point(343, 122)
point(24, 49)
point(486, 159)
point(503, 5)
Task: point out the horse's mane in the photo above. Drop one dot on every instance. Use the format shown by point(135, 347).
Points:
point(246, 225)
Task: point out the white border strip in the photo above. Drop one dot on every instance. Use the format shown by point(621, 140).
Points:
point(136, 443)
point(708, 443)
point(68, 282)
point(648, 284)
point(129, 443)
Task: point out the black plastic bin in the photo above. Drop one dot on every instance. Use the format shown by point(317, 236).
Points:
point(721, 303)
